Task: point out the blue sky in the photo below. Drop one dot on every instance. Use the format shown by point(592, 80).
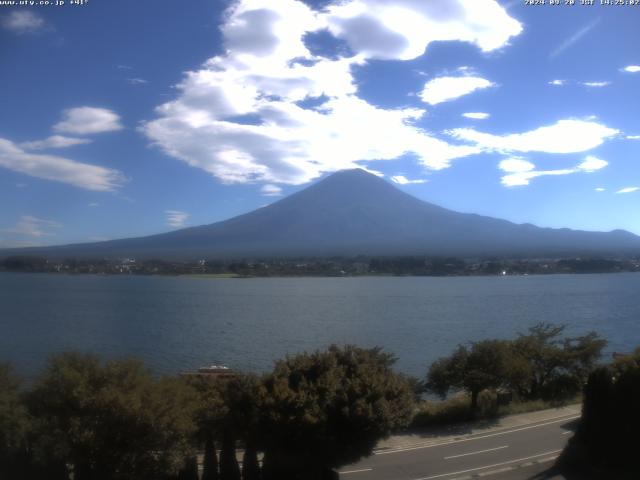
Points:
point(124, 118)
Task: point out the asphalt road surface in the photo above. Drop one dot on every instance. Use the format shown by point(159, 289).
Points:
point(519, 452)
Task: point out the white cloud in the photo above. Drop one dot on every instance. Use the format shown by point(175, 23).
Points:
point(30, 226)
point(402, 180)
point(521, 172)
point(631, 69)
point(515, 165)
point(633, 137)
point(591, 164)
point(565, 136)
point(59, 169)
point(476, 115)
point(558, 82)
point(443, 89)
point(137, 81)
point(239, 117)
point(596, 84)
point(403, 29)
point(23, 21)
point(599, 189)
point(270, 190)
point(176, 218)
point(94, 204)
point(54, 141)
point(628, 190)
point(573, 39)
point(88, 120)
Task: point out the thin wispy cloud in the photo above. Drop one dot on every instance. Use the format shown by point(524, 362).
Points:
point(596, 84)
point(628, 190)
point(30, 226)
point(176, 218)
point(270, 190)
point(54, 141)
point(520, 172)
point(59, 169)
point(402, 180)
point(631, 69)
point(573, 39)
point(137, 81)
point(22, 22)
point(476, 115)
point(557, 82)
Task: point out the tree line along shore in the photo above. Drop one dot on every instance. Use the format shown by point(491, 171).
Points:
point(86, 418)
point(333, 267)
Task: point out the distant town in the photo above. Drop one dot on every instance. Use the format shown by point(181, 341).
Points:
point(334, 267)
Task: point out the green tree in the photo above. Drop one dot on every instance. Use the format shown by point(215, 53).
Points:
point(326, 409)
point(243, 396)
point(552, 366)
point(483, 365)
point(14, 426)
point(210, 409)
point(112, 421)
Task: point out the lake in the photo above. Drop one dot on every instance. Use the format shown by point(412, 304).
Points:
point(178, 323)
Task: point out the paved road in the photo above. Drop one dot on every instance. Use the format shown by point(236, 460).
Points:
point(508, 453)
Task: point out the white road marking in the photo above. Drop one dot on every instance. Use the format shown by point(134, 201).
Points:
point(355, 471)
point(489, 466)
point(408, 449)
point(475, 453)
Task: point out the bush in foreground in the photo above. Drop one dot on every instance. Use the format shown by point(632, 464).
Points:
point(605, 444)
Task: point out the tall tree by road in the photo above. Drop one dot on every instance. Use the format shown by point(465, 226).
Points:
point(326, 409)
point(483, 365)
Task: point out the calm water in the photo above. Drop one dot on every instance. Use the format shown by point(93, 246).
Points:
point(183, 323)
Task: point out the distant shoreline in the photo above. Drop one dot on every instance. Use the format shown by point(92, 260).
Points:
point(214, 276)
point(329, 267)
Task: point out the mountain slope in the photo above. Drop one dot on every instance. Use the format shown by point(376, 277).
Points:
point(349, 213)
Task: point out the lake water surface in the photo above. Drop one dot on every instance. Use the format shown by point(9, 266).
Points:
point(177, 323)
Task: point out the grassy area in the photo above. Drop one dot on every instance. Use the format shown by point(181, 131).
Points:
point(457, 409)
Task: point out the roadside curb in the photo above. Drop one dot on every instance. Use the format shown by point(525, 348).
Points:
point(398, 443)
point(507, 469)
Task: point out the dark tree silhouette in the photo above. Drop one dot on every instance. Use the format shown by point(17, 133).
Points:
point(327, 409)
point(111, 421)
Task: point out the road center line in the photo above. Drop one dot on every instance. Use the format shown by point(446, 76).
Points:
point(408, 449)
point(489, 466)
point(475, 453)
point(356, 471)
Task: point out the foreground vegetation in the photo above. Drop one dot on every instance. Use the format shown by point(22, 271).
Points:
point(115, 420)
point(313, 413)
point(605, 445)
point(541, 364)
